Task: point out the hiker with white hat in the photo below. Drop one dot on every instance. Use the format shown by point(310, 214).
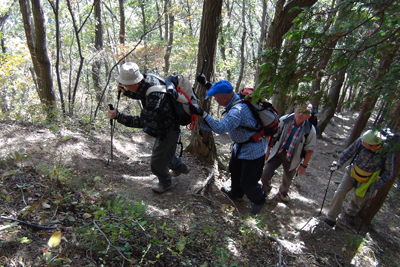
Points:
point(371, 166)
point(157, 118)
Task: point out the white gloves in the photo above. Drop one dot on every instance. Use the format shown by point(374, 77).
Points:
point(334, 166)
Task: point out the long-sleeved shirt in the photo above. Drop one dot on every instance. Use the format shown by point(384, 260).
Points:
point(238, 116)
point(368, 160)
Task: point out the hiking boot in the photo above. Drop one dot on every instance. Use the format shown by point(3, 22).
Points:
point(230, 194)
point(176, 173)
point(159, 188)
point(283, 197)
point(329, 222)
point(256, 208)
point(351, 220)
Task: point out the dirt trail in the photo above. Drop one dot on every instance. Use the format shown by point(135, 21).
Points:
point(297, 224)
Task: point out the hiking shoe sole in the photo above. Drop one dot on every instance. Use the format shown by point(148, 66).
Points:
point(256, 208)
point(230, 195)
point(351, 220)
point(329, 222)
point(284, 199)
point(175, 174)
point(159, 189)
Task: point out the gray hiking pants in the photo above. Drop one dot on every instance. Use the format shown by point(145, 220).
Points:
point(271, 166)
point(164, 158)
point(345, 186)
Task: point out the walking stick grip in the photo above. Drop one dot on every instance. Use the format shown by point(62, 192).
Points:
point(111, 108)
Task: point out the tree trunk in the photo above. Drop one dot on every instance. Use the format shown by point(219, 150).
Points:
point(121, 22)
point(167, 55)
point(333, 96)
point(239, 80)
point(144, 23)
point(263, 36)
point(372, 206)
point(56, 13)
point(281, 24)
point(36, 40)
point(203, 143)
point(96, 67)
point(342, 97)
point(159, 20)
point(372, 97)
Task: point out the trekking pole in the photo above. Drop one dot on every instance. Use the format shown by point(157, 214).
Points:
point(111, 107)
point(369, 202)
point(202, 67)
point(326, 191)
point(113, 127)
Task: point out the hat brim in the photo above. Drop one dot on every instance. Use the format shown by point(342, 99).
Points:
point(129, 82)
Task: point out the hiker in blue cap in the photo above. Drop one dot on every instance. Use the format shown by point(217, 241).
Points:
point(247, 159)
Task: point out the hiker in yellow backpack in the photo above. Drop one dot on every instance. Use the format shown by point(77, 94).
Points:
point(370, 168)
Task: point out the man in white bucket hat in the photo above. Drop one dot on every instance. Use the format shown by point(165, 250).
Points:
point(157, 119)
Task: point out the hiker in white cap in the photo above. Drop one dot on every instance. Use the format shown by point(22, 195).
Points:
point(157, 118)
point(370, 167)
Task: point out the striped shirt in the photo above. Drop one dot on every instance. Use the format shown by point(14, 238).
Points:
point(233, 123)
point(369, 160)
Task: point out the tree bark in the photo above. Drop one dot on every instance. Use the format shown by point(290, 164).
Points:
point(373, 95)
point(167, 55)
point(330, 108)
point(262, 40)
point(96, 67)
point(36, 40)
point(281, 24)
point(202, 142)
point(372, 206)
point(56, 9)
point(121, 22)
point(239, 80)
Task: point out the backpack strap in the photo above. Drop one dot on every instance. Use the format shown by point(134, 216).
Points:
point(156, 88)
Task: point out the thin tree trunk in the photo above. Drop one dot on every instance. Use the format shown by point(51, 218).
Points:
point(371, 207)
point(203, 143)
point(121, 22)
point(36, 39)
point(239, 81)
point(170, 42)
point(96, 67)
point(329, 110)
point(372, 97)
point(55, 8)
point(281, 24)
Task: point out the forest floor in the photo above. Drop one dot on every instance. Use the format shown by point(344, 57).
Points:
point(60, 179)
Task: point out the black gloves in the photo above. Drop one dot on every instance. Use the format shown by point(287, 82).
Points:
point(195, 109)
point(201, 79)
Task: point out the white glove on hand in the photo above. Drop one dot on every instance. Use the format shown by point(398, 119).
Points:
point(334, 166)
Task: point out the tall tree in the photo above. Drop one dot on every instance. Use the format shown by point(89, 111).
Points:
point(388, 57)
point(242, 45)
point(281, 24)
point(96, 67)
point(203, 143)
point(170, 39)
point(35, 33)
point(121, 22)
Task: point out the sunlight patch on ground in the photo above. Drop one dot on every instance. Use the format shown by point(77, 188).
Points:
point(345, 118)
point(142, 178)
point(302, 199)
point(292, 247)
point(304, 223)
